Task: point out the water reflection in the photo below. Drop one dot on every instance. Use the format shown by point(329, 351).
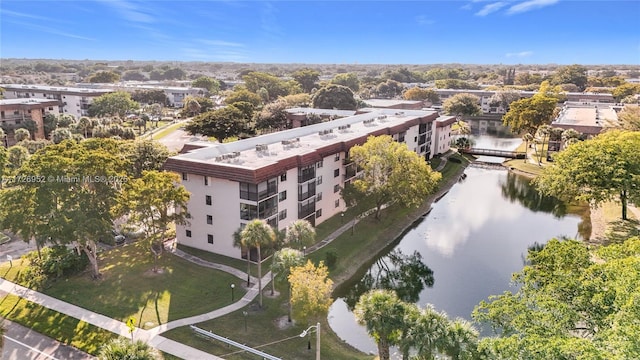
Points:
point(406, 274)
point(518, 188)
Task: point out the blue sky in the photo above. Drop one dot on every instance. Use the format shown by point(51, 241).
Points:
point(341, 32)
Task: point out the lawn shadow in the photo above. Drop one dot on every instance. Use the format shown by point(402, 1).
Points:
point(621, 230)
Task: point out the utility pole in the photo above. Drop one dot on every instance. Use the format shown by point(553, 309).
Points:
point(318, 341)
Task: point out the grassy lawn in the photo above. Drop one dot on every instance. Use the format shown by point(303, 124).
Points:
point(239, 264)
point(262, 328)
point(526, 167)
point(63, 328)
point(619, 230)
point(129, 287)
point(164, 132)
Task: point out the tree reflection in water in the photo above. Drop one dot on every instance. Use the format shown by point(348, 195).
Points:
point(519, 188)
point(406, 274)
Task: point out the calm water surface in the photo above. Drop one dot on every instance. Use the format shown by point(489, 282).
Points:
point(474, 238)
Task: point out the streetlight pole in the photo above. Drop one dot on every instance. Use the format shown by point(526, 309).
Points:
point(244, 313)
point(304, 251)
point(304, 333)
point(233, 287)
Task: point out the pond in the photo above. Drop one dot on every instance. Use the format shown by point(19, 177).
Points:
point(464, 250)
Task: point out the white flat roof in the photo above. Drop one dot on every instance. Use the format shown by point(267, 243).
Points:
point(53, 88)
point(26, 101)
point(298, 141)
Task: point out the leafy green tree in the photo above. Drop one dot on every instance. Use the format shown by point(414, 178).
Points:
point(16, 156)
point(243, 95)
point(624, 90)
point(526, 78)
point(349, 80)
point(307, 78)
point(276, 87)
point(310, 291)
point(572, 74)
point(104, 77)
point(113, 104)
point(257, 234)
point(382, 312)
point(283, 260)
point(504, 98)
point(145, 155)
point(222, 123)
point(153, 202)
point(50, 122)
point(462, 104)
point(629, 117)
point(133, 75)
point(334, 97)
point(212, 85)
point(124, 349)
point(597, 170)
point(4, 160)
point(456, 84)
point(150, 97)
point(389, 89)
point(416, 93)
point(392, 172)
point(526, 115)
point(84, 125)
point(21, 134)
point(272, 116)
point(571, 303)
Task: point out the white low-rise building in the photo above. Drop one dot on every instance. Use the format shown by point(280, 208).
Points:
point(288, 175)
point(71, 100)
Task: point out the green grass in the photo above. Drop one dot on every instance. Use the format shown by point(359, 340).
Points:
point(129, 287)
point(166, 131)
point(619, 230)
point(239, 264)
point(519, 164)
point(63, 328)
point(263, 329)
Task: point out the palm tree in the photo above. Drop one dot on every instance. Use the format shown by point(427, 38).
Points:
point(461, 340)
point(256, 234)
point(569, 137)
point(544, 131)
point(237, 242)
point(382, 312)
point(527, 138)
point(120, 348)
point(283, 261)
point(300, 233)
point(84, 124)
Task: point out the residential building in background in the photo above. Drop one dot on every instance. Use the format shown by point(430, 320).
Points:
point(587, 117)
point(15, 112)
point(175, 94)
point(287, 175)
point(71, 100)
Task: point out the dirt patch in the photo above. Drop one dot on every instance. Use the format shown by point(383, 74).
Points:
point(151, 273)
point(283, 323)
point(598, 226)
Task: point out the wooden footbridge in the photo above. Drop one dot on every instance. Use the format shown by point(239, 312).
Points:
point(493, 152)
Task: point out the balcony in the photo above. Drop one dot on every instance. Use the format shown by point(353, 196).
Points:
point(350, 172)
point(304, 211)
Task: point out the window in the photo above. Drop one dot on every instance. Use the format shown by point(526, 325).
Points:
point(336, 188)
point(185, 177)
point(188, 233)
point(319, 213)
point(336, 173)
point(319, 164)
point(282, 215)
point(319, 197)
point(209, 220)
point(337, 203)
point(319, 181)
point(248, 212)
point(337, 158)
point(282, 196)
point(208, 199)
point(206, 181)
point(210, 238)
point(283, 177)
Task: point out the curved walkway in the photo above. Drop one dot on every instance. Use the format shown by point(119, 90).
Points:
point(152, 336)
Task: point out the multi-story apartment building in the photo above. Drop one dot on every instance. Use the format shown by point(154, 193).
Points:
point(586, 117)
point(14, 112)
point(288, 175)
point(71, 100)
point(175, 94)
point(486, 95)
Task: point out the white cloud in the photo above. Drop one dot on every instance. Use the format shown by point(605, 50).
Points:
point(221, 43)
point(49, 30)
point(529, 5)
point(489, 8)
point(130, 11)
point(520, 54)
point(466, 7)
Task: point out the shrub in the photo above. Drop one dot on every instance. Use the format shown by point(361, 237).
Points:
point(53, 263)
point(330, 258)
